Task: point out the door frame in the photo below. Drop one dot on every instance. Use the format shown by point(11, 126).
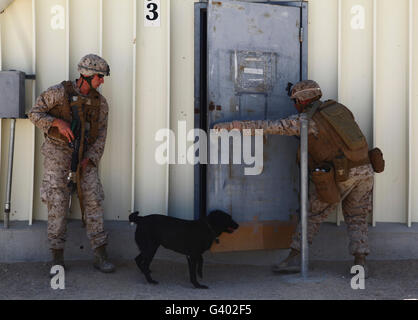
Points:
point(201, 83)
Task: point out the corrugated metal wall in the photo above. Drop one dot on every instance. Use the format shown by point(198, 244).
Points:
point(362, 52)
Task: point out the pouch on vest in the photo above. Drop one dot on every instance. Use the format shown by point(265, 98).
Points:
point(376, 159)
point(325, 185)
point(341, 119)
point(341, 168)
point(63, 113)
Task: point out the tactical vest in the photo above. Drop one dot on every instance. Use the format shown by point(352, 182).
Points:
point(90, 106)
point(338, 135)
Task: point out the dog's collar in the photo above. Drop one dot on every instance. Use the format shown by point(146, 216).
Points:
point(212, 231)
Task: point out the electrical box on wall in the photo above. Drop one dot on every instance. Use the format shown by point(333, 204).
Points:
point(12, 94)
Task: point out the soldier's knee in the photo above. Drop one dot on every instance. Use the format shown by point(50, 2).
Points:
point(93, 204)
point(356, 212)
point(56, 196)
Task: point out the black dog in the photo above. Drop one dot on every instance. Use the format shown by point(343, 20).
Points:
point(191, 238)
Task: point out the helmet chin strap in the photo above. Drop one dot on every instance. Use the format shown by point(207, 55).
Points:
point(87, 79)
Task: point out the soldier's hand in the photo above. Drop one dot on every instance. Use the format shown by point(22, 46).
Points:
point(237, 125)
point(220, 126)
point(64, 129)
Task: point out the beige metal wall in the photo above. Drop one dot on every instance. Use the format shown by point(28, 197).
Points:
point(413, 97)
point(362, 52)
point(392, 109)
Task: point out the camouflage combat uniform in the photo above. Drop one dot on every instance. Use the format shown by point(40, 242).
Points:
point(57, 164)
point(356, 191)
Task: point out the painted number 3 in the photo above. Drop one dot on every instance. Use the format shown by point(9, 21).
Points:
point(152, 13)
point(153, 10)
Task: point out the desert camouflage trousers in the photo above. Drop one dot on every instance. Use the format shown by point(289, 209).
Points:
point(56, 194)
point(356, 195)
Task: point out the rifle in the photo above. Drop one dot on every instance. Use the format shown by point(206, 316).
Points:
point(78, 128)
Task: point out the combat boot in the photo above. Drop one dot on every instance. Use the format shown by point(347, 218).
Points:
point(57, 259)
point(101, 262)
point(360, 259)
point(289, 265)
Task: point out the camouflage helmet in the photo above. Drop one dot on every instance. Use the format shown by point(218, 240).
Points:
point(92, 64)
point(306, 90)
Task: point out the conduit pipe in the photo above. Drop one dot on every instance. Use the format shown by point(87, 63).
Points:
point(7, 205)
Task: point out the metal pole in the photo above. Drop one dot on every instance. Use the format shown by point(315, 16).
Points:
point(304, 122)
point(9, 174)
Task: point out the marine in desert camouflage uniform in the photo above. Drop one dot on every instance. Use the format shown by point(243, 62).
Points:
point(355, 192)
point(55, 188)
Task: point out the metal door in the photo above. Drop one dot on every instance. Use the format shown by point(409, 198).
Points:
point(253, 51)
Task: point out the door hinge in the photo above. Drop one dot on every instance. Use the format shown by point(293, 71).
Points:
point(301, 34)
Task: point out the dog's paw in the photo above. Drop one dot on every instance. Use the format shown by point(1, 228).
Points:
point(150, 280)
point(200, 286)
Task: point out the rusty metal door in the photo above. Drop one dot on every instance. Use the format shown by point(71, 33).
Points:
point(253, 51)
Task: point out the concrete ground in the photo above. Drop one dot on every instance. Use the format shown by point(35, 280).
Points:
point(393, 264)
point(329, 280)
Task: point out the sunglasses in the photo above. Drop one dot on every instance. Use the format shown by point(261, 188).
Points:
point(100, 76)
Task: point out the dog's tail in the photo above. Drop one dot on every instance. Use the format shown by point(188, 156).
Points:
point(134, 217)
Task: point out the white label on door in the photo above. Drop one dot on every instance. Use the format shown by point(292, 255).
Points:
point(152, 13)
point(254, 71)
point(253, 59)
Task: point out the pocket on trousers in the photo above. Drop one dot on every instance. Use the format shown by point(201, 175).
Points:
point(323, 178)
